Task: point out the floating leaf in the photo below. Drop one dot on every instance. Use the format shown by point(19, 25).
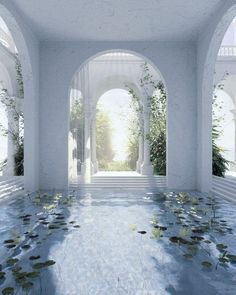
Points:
point(133, 227)
point(33, 274)
point(43, 264)
point(27, 286)
point(231, 257)
point(12, 261)
point(2, 275)
point(207, 241)
point(206, 264)
point(76, 226)
point(163, 228)
point(34, 257)
point(188, 256)
point(25, 247)
point(142, 232)
point(9, 241)
point(33, 236)
point(8, 291)
point(156, 233)
point(197, 238)
point(221, 247)
point(10, 246)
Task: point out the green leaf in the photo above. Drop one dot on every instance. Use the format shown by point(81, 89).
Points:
point(8, 291)
point(206, 264)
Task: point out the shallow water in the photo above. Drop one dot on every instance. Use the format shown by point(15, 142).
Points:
point(111, 243)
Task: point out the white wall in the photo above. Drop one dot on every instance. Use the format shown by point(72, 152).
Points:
point(28, 48)
point(177, 64)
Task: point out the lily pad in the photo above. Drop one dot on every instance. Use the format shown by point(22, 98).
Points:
point(34, 257)
point(33, 274)
point(9, 241)
point(206, 264)
point(221, 247)
point(12, 261)
point(8, 291)
point(2, 275)
point(25, 247)
point(27, 286)
point(43, 264)
point(231, 257)
point(142, 232)
point(76, 226)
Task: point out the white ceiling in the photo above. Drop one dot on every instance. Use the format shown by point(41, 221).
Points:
point(117, 20)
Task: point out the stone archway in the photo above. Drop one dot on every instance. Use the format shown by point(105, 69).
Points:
point(93, 79)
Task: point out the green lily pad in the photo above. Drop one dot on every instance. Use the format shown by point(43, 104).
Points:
point(34, 257)
point(43, 264)
point(12, 261)
point(33, 274)
point(142, 232)
point(25, 247)
point(8, 291)
point(10, 246)
point(188, 256)
point(221, 247)
point(2, 275)
point(206, 264)
point(27, 286)
point(76, 226)
point(232, 258)
point(10, 241)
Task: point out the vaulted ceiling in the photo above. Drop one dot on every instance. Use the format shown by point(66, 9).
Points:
point(117, 20)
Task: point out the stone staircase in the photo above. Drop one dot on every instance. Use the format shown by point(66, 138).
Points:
point(11, 187)
point(225, 187)
point(121, 181)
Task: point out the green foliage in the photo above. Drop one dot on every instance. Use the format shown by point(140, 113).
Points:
point(105, 153)
point(114, 166)
point(17, 135)
point(19, 77)
point(219, 163)
point(77, 128)
point(158, 153)
point(19, 160)
point(157, 135)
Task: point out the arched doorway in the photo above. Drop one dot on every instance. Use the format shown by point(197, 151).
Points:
point(116, 139)
point(133, 74)
point(11, 106)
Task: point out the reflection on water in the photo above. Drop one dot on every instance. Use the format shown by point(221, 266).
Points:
point(117, 243)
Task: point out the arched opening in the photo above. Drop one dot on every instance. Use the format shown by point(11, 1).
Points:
point(116, 146)
point(224, 107)
point(11, 106)
point(126, 75)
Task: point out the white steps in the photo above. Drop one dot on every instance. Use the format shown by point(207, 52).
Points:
point(132, 182)
point(11, 186)
point(225, 187)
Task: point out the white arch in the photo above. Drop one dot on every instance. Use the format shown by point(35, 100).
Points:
point(30, 90)
point(207, 55)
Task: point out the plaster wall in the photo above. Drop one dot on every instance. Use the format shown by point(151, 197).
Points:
point(60, 60)
point(28, 48)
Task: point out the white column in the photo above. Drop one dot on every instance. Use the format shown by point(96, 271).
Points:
point(140, 154)
point(147, 168)
point(86, 171)
point(86, 166)
point(94, 144)
point(233, 166)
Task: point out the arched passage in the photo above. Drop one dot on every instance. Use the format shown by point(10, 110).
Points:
point(208, 50)
point(25, 55)
point(116, 69)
